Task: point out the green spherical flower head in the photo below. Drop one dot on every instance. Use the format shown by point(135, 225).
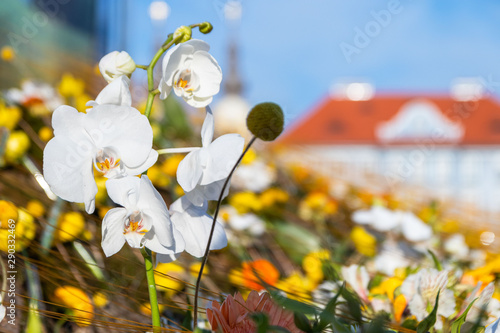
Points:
point(266, 121)
point(206, 27)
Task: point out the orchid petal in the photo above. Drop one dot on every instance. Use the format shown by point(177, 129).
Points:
point(209, 72)
point(207, 130)
point(224, 153)
point(124, 191)
point(189, 171)
point(112, 231)
point(117, 92)
point(67, 168)
point(150, 161)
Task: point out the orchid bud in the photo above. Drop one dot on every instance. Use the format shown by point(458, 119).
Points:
point(266, 121)
point(184, 32)
point(116, 64)
point(206, 27)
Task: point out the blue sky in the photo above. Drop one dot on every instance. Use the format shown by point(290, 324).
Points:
point(291, 50)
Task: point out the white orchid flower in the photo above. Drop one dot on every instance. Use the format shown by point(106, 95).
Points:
point(116, 64)
point(116, 140)
point(192, 72)
point(414, 229)
point(117, 92)
point(143, 219)
point(202, 173)
point(421, 289)
point(194, 224)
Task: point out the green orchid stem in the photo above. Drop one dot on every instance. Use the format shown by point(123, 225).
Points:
point(207, 250)
point(151, 83)
point(153, 299)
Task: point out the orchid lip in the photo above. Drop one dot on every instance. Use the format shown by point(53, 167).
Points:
point(107, 162)
point(135, 224)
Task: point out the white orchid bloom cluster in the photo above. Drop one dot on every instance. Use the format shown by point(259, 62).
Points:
point(115, 140)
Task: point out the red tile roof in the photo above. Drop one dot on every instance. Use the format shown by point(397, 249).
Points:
point(355, 122)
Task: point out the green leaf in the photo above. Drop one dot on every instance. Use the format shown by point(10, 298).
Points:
point(425, 325)
point(436, 261)
point(261, 320)
point(292, 305)
point(378, 323)
point(354, 305)
point(186, 323)
point(457, 324)
point(302, 322)
point(328, 314)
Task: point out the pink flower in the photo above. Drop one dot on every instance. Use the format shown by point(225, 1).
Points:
point(234, 314)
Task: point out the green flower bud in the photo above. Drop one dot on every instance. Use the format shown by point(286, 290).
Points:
point(266, 121)
point(184, 32)
point(206, 27)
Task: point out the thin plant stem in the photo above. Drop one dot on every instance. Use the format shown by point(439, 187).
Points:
point(153, 298)
point(214, 221)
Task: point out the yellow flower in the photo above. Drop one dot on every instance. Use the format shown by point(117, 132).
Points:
point(100, 299)
point(80, 102)
point(273, 196)
point(313, 264)
point(71, 86)
point(102, 194)
point(24, 231)
point(146, 308)
point(69, 227)
point(102, 211)
point(249, 157)
point(387, 287)
point(9, 116)
point(168, 278)
point(35, 208)
point(449, 226)
point(236, 277)
point(245, 202)
point(296, 286)
point(194, 269)
point(171, 163)
point(8, 211)
point(17, 145)
point(157, 177)
point(77, 302)
point(45, 134)
point(364, 242)
point(7, 53)
point(317, 206)
point(179, 192)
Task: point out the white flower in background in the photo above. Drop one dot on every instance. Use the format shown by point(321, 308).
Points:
point(482, 302)
point(115, 64)
point(256, 176)
point(325, 292)
point(421, 289)
point(192, 72)
point(357, 277)
point(383, 219)
point(380, 218)
point(194, 225)
point(143, 219)
point(414, 229)
point(117, 92)
point(389, 259)
point(249, 222)
point(202, 173)
point(456, 246)
point(116, 140)
point(32, 93)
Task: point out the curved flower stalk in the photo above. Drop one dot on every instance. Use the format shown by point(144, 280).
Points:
point(191, 72)
point(117, 92)
point(142, 221)
point(193, 224)
point(202, 173)
point(116, 140)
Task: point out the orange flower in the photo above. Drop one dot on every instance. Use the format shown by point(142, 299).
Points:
point(259, 270)
point(234, 314)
